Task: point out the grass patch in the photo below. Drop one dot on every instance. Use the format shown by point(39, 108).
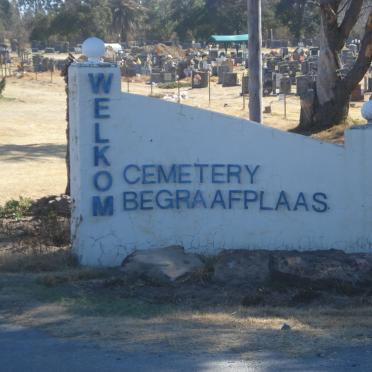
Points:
point(174, 85)
point(106, 306)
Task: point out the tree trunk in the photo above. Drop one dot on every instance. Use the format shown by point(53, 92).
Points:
point(328, 104)
point(64, 73)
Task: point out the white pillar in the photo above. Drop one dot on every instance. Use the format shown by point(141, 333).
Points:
point(94, 89)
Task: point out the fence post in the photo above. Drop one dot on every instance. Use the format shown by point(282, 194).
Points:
point(209, 88)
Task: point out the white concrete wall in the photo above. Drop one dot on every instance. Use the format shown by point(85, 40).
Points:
point(149, 131)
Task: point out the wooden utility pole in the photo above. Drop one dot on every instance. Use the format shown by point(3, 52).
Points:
point(255, 60)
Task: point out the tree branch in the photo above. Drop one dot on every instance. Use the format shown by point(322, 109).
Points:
point(350, 18)
point(363, 62)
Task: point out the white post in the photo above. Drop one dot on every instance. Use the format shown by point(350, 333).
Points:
point(94, 90)
point(255, 60)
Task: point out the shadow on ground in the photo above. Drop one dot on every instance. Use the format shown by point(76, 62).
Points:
point(31, 151)
point(41, 352)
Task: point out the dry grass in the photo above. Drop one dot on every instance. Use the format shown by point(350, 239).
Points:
point(65, 304)
point(223, 330)
point(30, 258)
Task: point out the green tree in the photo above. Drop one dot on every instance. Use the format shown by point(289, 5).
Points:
point(186, 15)
point(300, 16)
point(5, 17)
point(77, 20)
point(40, 27)
point(126, 15)
point(158, 22)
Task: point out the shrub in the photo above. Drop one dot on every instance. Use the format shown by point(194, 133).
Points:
point(16, 209)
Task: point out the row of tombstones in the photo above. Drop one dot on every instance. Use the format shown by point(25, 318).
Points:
point(44, 64)
point(273, 83)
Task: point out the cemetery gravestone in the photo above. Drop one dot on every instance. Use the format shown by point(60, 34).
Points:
point(285, 85)
point(199, 79)
point(245, 84)
point(167, 77)
point(221, 72)
point(230, 79)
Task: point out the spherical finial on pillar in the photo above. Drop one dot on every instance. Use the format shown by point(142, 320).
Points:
point(367, 111)
point(94, 49)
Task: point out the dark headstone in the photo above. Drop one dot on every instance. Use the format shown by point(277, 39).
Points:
point(213, 54)
point(267, 82)
point(221, 72)
point(285, 85)
point(199, 79)
point(167, 77)
point(230, 79)
point(369, 85)
point(245, 85)
point(284, 52)
point(155, 77)
point(314, 51)
point(283, 68)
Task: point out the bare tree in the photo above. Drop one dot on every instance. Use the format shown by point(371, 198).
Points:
point(64, 73)
point(329, 103)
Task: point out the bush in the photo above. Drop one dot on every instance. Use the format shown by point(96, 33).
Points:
point(16, 209)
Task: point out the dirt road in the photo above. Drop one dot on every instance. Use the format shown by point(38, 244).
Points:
point(24, 350)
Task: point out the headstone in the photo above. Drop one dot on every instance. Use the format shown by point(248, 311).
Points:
point(155, 77)
point(245, 84)
point(276, 82)
point(314, 51)
point(267, 83)
point(167, 77)
point(284, 52)
point(369, 85)
point(230, 79)
point(213, 54)
point(199, 79)
point(285, 85)
point(313, 67)
point(283, 68)
point(221, 72)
